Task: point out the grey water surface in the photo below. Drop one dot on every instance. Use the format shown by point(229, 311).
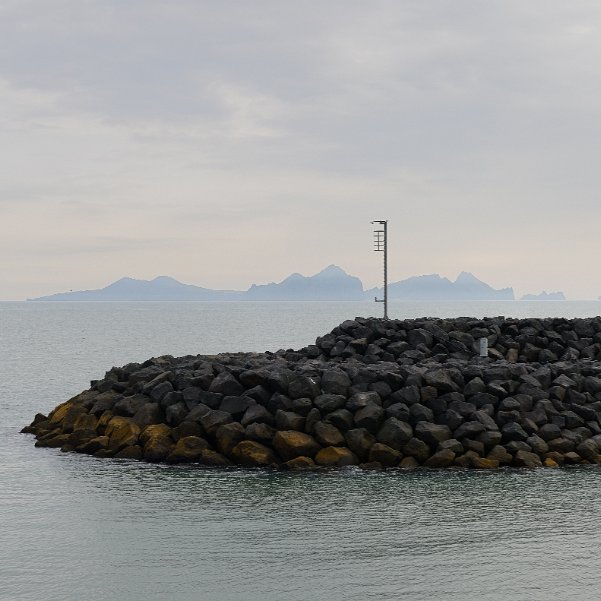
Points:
point(73, 527)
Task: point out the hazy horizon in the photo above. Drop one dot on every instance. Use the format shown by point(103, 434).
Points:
point(231, 144)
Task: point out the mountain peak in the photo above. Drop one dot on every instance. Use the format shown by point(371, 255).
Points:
point(466, 277)
point(332, 271)
point(165, 279)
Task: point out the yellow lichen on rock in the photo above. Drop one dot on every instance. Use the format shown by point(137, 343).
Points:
point(290, 444)
point(122, 432)
point(85, 421)
point(57, 415)
point(188, 449)
point(481, 463)
point(336, 457)
point(253, 454)
point(154, 431)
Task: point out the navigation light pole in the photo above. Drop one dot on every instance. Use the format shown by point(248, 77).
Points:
point(381, 245)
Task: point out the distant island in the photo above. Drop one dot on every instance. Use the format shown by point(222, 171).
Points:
point(544, 295)
point(332, 283)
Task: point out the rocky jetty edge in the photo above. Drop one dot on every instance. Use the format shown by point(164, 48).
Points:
point(372, 393)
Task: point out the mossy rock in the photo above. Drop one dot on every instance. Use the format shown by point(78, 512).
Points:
point(158, 448)
point(122, 432)
point(188, 450)
point(336, 457)
point(300, 463)
point(132, 452)
point(57, 415)
point(214, 459)
point(250, 453)
point(95, 444)
point(155, 431)
point(481, 463)
point(290, 444)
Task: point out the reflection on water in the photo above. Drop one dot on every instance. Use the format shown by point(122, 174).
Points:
point(103, 529)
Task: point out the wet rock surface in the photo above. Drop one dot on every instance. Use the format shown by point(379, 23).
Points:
point(371, 393)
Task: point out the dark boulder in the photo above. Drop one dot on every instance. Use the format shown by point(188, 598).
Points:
point(288, 420)
point(394, 433)
point(440, 459)
point(328, 435)
point(341, 418)
point(327, 403)
point(369, 417)
point(513, 431)
point(360, 441)
point(225, 383)
point(432, 434)
point(384, 454)
point(335, 382)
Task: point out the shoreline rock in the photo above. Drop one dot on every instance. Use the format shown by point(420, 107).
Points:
point(371, 393)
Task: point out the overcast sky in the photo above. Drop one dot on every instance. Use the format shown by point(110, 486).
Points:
point(226, 143)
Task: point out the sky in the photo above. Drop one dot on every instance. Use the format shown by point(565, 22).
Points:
point(231, 143)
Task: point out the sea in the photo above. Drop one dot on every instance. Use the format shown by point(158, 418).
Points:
point(77, 528)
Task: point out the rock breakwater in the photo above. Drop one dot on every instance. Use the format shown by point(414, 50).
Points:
point(372, 393)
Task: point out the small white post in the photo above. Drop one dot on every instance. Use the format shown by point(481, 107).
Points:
point(483, 347)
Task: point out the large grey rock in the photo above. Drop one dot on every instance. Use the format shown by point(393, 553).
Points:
point(513, 431)
point(417, 449)
point(214, 418)
point(384, 454)
point(589, 449)
point(175, 414)
point(257, 413)
point(328, 435)
point(453, 444)
point(549, 431)
point(369, 417)
point(490, 439)
point(303, 386)
point(537, 444)
point(312, 418)
point(225, 383)
point(128, 406)
point(197, 412)
point(442, 458)
point(288, 420)
point(341, 418)
point(259, 393)
point(486, 420)
point(301, 405)
point(420, 413)
point(363, 399)
point(335, 381)
point(398, 410)
point(469, 430)
point(394, 433)
point(526, 459)
point(159, 391)
point(432, 434)
point(149, 413)
point(327, 403)
point(236, 405)
point(260, 432)
point(441, 380)
point(360, 441)
point(474, 386)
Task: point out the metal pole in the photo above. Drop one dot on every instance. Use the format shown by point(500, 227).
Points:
point(386, 270)
point(381, 245)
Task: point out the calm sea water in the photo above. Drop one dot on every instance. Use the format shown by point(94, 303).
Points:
point(74, 527)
